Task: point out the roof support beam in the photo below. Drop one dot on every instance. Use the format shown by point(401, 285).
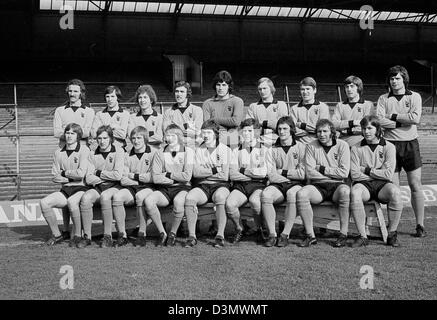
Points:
point(245, 10)
point(107, 6)
point(178, 8)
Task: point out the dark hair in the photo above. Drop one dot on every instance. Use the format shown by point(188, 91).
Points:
point(211, 125)
point(111, 89)
point(106, 129)
point(149, 91)
point(140, 130)
point(393, 71)
point(77, 82)
point(76, 128)
point(373, 121)
point(356, 81)
point(185, 85)
point(250, 122)
point(223, 76)
point(308, 81)
point(287, 120)
point(326, 122)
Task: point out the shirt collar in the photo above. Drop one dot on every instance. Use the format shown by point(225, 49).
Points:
point(67, 105)
point(75, 150)
point(100, 152)
point(267, 104)
point(132, 151)
point(316, 103)
point(181, 148)
point(407, 93)
point(278, 143)
point(382, 142)
point(120, 109)
point(175, 106)
point(359, 101)
point(154, 113)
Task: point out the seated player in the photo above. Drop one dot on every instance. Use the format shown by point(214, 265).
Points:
point(250, 163)
point(185, 115)
point(348, 114)
point(69, 167)
point(306, 113)
point(114, 116)
point(372, 167)
point(267, 111)
point(172, 168)
point(147, 117)
point(104, 174)
point(286, 178)
point(327, 164)
point(211, 176)
point(137, 183)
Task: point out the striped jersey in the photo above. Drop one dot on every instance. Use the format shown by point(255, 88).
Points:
point(252, 163)
point(152, 122)
point(227, 113)
point(378, 161)
point(173, 167)
point(212, 165)
point(70, 166)
point(140, 164)
point(400, 115)
point(117, 120)
point(333, 162)
point(308, 115)
point(105, 166)
point(267, 115)
point(64, 115)
point(288, 162)
point(345, 113)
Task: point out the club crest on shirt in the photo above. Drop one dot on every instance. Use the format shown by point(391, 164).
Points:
point(316, 111)
point(190, 115)
point(381, 154)
point(275, 109)
point(218, 157)
point(153, 123)
point(229, 108)
point(110, 159)
point(336, 156)
point(359, 109)
point(295, 155)
point(82, 114)
point(76, 159)
point(407, 104)
point(181, 160)
point(118, 118)
point(146, 161)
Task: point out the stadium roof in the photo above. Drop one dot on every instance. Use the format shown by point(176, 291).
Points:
point(424, 11)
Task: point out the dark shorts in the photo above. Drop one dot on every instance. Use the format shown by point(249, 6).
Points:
point(327, 189)
point(407, 155)
point(107, 185)
point(285, 186)
point(209, 188)
point(247, 188)
point(68, 191)
point(170, 192)
point(374, 186)
point(134, 189)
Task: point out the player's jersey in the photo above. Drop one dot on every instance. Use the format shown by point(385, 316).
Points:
point(105, 166)
point(152, 122)
point(404, 112)
point(344, 115)
point(211, 165)
point(267, 115)
point(227, 113)
point(64, 115)
point(333, 162)
point(379, 163)
point(117, 120)
point(251, 163)
point(140, 164)
point(288, 162)
point(189, 119)
point(70, 166)
point(173, 167)
point(308, 115)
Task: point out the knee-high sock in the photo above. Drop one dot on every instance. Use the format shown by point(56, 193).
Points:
point(417, 202)
point(235, 218)
point(106, 207)
point(141, 219)
point(290, 216)
point(269, 216)
point(86, 211)
point(394, 211)
point(120, 216)
point(306, 213)
point(77, 222)
point(177, 219)
point(66, 219)
point(154, 213)
point(343, 210)
point(359, 214)
point(220, 214)
point(191, 214)
point(49, 215)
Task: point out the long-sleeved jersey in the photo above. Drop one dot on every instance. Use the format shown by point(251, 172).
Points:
point(140, 165)
point(227, 113)
point(251, 163)
point(64, 115)
point(378, 164)
point(70, 166)
point(212, 165)
point(404, 112)
point(173, 167)
point(117, 120)
point(288, 162)
point(105, 166)
point(189, 119)
point(345, 113)
point(308, 115)
point(152, 122)
point(333, 162)
point(267, 115)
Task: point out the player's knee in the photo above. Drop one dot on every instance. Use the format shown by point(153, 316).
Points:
point(220, 197)
point(356, 195)
point(394, 194)
point(230, 205)
point(291, 196)
point(302, 195)
point(44, 204)
point(85, 202)
point(415, 185)
point(267, 196)
point(105, 197)
point(149, 203)
point(117, 198)
point(72, 205)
